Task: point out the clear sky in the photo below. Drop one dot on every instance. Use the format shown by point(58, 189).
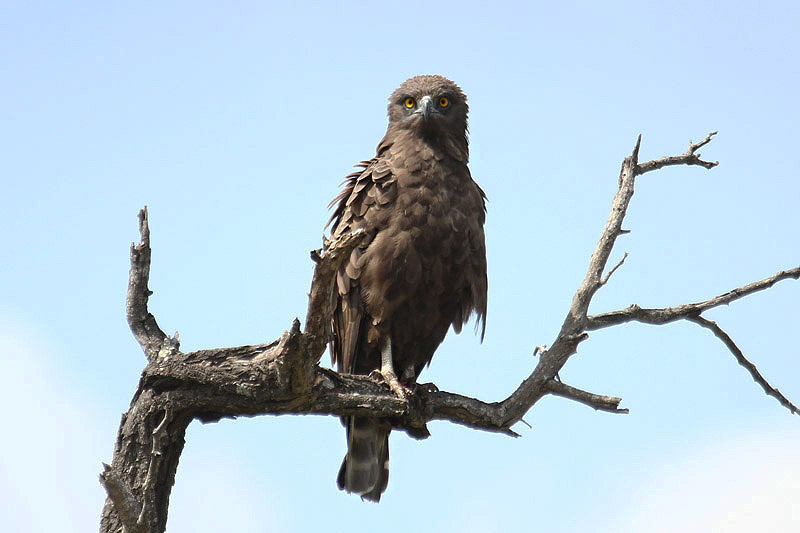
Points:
point(235, 123)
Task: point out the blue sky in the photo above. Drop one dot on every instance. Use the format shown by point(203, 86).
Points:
point(235, 125)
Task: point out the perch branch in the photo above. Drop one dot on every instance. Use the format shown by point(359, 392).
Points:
point(742, 360)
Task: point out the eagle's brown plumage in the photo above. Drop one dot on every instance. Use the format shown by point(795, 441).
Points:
point(422, 267)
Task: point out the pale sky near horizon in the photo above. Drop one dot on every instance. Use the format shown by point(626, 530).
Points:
point(235, 126)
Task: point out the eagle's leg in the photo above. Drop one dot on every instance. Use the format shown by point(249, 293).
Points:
point(388, 373)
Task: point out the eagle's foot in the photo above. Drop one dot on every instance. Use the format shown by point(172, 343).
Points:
point(389, 375)
point(397, 387)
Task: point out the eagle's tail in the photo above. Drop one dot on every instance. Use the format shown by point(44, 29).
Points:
point(365, 469)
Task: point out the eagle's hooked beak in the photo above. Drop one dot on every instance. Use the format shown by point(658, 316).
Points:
point(425, 107)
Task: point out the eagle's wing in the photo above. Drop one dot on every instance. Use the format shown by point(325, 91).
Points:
point(365, 192)
point(476, 275)
point(365, 469)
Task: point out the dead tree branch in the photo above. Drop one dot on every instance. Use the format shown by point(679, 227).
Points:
point(690, 157)
point(611, 272)
point(284, 377)
point(742, 360)
point(665, 315)
point(142, 323)
point(609, 404)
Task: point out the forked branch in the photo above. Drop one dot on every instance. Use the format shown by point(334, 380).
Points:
point(284, 377)
point(634, 313)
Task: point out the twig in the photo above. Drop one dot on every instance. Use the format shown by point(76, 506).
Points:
point(609, 404)
point(671, 314)
point(687, 158)
point(619, 208)
point(751, 368)
point(610, 272)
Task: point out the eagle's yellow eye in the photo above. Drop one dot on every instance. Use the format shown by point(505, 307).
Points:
point(444, 101)
point(409, 103)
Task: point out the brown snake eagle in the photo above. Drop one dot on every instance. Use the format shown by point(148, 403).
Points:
point(422, 266)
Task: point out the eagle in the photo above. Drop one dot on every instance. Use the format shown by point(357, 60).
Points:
point(421, 267)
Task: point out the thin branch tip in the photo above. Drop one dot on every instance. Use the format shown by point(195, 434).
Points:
point(694, 147)
point(144, 227)
point(743, 361)
point(635, 153)
point(658, 316)
point(690, 157)
point(610, 272)
point(598, 402)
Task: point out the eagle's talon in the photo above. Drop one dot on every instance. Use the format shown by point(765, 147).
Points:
point(400, 390)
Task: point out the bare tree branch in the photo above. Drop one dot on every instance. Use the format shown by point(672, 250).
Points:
point(573, 330)
point(757, 377)
point(283, 376)
point(601, 403)
point(611, 272)
point(142, 323)
point(670, 314)
point(687, 158)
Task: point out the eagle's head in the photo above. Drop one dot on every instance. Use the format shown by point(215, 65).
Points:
point(429, 105)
